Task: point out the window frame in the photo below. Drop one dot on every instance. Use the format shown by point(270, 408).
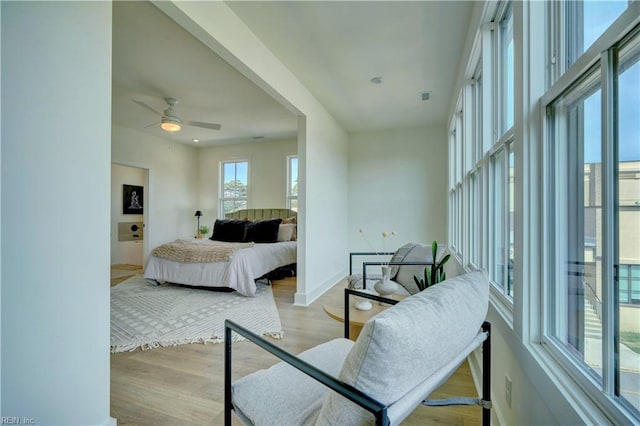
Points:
point(601, 55)
point(221, 198)
point(289, 197)
point(500, 140)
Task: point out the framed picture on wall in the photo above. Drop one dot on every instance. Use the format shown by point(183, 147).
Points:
point(132, 199)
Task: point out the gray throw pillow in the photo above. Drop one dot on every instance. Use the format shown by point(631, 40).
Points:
point(418, 253)
point(409, 343)
point(399, 256)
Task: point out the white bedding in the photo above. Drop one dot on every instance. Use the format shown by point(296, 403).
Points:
point(240, 273)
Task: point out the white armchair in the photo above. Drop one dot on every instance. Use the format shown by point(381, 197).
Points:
point(401, 356)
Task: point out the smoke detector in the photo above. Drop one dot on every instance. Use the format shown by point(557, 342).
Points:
point(425, 96)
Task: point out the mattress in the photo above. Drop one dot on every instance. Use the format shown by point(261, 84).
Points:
point(239, 273)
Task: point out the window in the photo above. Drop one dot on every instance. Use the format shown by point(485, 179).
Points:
point(593, 208)
point(629, 283)
point(577, 255)
point(502, 226)
point(456, 222)
point(506, 70)
point(482, 160)
point(576, 130)
point(292, 182)
point(511, 228)
point(627, 205)
point(234, 186)
point(501, 157)
point(474, 212)
point(586, 21)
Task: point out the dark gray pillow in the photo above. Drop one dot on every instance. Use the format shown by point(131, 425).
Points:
point(231, 231)
point(263, 231)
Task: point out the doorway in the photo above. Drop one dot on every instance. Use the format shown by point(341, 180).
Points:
point(129, 207)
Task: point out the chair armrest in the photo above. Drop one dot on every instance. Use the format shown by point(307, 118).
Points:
point(364, 253)
point(409, 263)
point(378, 409)
point(348, 292)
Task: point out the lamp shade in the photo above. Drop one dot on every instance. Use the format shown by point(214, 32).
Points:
point(198, 213)
point(170, 124)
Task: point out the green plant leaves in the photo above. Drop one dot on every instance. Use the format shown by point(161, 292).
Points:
point(435, 273)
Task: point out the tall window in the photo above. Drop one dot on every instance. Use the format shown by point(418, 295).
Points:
point(502, 157)
point(593, 204)
point(456, 222)
point(506, 69)
point(234, 184)
point(586, 21)
point(292, 182)
point(627, 204)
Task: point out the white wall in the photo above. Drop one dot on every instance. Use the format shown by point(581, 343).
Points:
point(267, 174)
point(397, 181)
point(322, 142)
point(125, 252)
point(172, 191)
point(56, 124)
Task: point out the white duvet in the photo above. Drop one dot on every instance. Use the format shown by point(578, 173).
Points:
point(240, 273)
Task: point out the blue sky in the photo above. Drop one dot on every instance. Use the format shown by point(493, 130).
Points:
point(598, 15)
point(236, 171)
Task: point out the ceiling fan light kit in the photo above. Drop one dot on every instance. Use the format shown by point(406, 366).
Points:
point(170, 125)
point(171, 121)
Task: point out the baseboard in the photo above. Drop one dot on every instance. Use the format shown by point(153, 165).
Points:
point(111, 422)
point(306, 299)
point(475, 365)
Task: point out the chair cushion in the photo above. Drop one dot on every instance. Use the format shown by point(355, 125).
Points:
point(283, 395)
point(409, 343)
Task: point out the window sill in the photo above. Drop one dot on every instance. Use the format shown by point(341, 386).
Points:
point(588, 402)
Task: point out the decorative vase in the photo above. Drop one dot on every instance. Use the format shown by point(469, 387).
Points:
point(385, 286)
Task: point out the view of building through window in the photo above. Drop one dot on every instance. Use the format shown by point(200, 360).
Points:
point(591, 226)
point(628, 220)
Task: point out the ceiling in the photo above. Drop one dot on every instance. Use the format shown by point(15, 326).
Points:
point(334, 48)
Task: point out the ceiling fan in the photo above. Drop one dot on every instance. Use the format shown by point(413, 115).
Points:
point(171, 121)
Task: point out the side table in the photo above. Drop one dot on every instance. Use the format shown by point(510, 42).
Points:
point(357, 318)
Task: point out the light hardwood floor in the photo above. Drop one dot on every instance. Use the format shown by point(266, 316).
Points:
point(122, 272)
point(184, 385)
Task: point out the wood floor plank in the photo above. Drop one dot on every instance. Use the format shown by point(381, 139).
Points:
point(185, 384)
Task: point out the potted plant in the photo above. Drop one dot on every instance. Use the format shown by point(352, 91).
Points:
point(435, 273)
point(203, 230)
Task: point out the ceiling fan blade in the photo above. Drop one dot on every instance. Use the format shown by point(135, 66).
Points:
point(212, 126)
point(144, 105)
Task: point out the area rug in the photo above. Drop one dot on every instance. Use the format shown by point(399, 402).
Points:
point(146, 316)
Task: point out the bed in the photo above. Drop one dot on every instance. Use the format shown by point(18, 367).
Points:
point(247, 260)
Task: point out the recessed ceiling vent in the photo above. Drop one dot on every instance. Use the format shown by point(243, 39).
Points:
point(425, 96)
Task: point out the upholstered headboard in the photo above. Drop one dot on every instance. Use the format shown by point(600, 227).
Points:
point(259, 214)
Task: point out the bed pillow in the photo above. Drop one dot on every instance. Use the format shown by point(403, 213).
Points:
point(232, 231)
point(285, 232)
point(263, 231)
point(292, 220)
